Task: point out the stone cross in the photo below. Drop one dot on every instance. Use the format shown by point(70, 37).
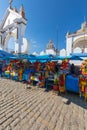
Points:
point(10, 3)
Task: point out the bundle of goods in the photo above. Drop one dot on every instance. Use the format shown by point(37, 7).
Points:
point(64, 70)
point(51, 65)
point(83, 80)
point(56, 82)
point(84, 68)
point(83, 87)
point(37, 66)
point(65, 65)
point(20, 74)
point(8, 70)
point(62, 83)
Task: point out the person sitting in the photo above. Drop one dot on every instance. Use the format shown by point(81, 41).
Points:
point(72, 69)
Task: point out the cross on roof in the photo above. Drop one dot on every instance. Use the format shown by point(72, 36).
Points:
point(10, 3)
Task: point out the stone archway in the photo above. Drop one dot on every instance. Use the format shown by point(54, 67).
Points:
point(81, 43)
point(10, 43)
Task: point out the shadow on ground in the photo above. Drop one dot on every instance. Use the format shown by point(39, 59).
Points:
point(74, 98)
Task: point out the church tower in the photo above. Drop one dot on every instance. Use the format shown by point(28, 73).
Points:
point(50, 45)
point(22, 12)
point(50, 49)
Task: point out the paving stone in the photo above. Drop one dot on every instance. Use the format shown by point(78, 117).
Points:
point(7, 122)
point(9, 110)
point(58, 126)
point(1, 128)
point(23, 121)
point(10, 114)
point(24, 127)
point(17, 127)
point(22, 109)
point(35, 126)
point(2, 115)
point(43, 127)
point(15, 122)
point(24, 114)
point(16, 115)
point(8, 128)
point(2, 120)
point(32, 120)
point(37, 114)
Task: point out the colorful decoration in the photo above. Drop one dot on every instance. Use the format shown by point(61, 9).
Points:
point(65, 65)
point(84, 68)
point(37, 66)
point(51, 65)
point(56, 82)
point(20, 73)
point(62, 83)
point(83, 80)
point(83, 87)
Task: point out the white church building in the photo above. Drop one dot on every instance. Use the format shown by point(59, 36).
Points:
point(77, 42)
point(14, 25)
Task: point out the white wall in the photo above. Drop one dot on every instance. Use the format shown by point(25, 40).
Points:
point(50, 51)
point(69, 45)
point(11, 17)
point(42, 53)
point(25, 46)
point(85, 50)
point(63, 52)
point(77, 50)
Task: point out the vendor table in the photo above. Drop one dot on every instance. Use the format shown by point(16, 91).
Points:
point(71, 83)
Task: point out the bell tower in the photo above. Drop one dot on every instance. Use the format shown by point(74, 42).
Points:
point(22, 12)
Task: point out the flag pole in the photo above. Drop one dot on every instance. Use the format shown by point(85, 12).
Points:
point(57, 41)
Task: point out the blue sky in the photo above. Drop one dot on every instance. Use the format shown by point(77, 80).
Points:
point(47, 17)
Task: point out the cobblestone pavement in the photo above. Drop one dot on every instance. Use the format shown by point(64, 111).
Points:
point(34, 109)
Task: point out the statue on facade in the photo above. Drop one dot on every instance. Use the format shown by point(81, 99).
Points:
point(10, 3)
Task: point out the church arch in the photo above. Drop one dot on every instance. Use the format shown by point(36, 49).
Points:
point(7, 38)
point(81, 43)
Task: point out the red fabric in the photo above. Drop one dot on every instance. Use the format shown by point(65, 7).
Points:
point(56, 87)
point(40, 77)
point(61, 80)
point(61, 83)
